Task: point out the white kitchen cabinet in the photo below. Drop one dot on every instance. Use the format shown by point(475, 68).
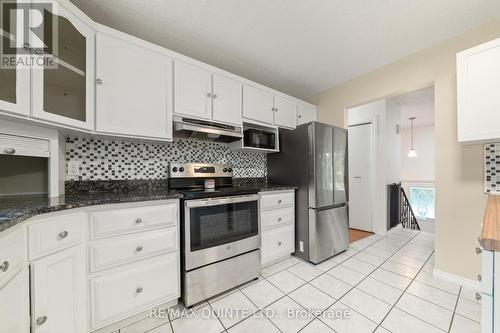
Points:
point(14, 304)
point(192, 91)
point(305, 114)
point(285, 112)
point(133, 89)
point(65, 94)
point(490, 284)
point(58, 292)
point(277, 225)
point(258, 105)
point(227, 94)
point(15, 88)
point(478, 83)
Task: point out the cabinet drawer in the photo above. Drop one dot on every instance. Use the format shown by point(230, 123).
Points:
point(107, 253)
point(277, 217)
point(121, 294)
point(277, 243)
point(55, 233)
point(127, 220)
point(12, 255)
point(487, 261)
point(277, 200)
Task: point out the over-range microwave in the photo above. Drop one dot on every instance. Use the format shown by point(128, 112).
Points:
point(260, 138)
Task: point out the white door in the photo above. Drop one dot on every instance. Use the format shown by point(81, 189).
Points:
point(14, 304)
point(65, 94)
point(227, 94)
point(258, 105)
point(192, 91)
point(360, 143)
point(285, 112)
point(58, 293)
point(305, 114)
point(134, 89)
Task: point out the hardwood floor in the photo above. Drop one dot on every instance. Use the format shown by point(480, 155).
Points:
point(355, 235)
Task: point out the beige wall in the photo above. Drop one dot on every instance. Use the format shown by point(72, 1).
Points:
point(459, 186)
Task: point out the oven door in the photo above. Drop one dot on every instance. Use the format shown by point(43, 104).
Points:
point(220, 228)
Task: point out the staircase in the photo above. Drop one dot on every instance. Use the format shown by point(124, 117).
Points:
point(404, 214)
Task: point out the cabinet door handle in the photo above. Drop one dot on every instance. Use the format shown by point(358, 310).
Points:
point(300, 116)
point(138, 290)
point(4, 266)
point(209, 95)
point(279, 219)
point(138, 220)
point(478, 296)
point(280, 201)
point(41, 320)
point(479, 277)
point(10, 151)
point(478, 250)
point(63, 234)
point(279, 243)
point(98, 81)
point(215, 96)
point(139, 248)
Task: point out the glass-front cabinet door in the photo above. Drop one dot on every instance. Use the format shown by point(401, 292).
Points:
point(14, 77)
point(63, 85)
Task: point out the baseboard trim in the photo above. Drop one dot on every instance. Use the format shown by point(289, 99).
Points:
point(471, 284)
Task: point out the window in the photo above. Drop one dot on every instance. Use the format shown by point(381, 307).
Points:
point(422, 201)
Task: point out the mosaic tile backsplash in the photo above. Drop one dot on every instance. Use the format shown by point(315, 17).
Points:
point(492, 168)
point(102, 159)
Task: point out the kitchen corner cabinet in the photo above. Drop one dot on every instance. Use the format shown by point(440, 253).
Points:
point(133, 89)
point(65, 94)
point(305, 114)
point(478, 102)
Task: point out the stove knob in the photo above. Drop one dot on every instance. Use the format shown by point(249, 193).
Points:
point(174, 169)
point(224, 170)
point(230, 170)
point(181, 169)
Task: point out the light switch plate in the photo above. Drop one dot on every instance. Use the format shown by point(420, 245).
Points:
point(73, 168)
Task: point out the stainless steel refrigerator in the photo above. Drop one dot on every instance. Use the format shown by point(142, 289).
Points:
point(314, 157)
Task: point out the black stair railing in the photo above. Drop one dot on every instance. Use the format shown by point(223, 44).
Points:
point(406, 216)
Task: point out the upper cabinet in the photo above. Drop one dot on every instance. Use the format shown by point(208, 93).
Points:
point(192, 91)
point(478, 84)
point(285, 112)
point(63, 91)
point(133, 89)
point(226, 100)
point(305, 114)
point(15, 81)
point(258, 105)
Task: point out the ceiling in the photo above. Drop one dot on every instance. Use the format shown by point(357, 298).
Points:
point(301, 47)
point(419, 104)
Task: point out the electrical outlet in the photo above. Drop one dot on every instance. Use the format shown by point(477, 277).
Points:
point(73, 168)
point(301, 246)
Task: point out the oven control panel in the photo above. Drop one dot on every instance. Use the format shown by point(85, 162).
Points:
point(199, 170)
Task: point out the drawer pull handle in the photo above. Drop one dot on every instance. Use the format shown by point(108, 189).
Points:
point(138, 290)
point(10, 151)
point(280, 201)
point(478, 296)
point(4, 266)
point(478, 250)
point(63, 234)
point(479, 277)
point(279, 219)
point(41, 320)
point(138, 220)
point(279, 243)
point(139, 248)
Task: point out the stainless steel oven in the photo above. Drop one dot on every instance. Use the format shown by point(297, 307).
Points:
point(219, 228)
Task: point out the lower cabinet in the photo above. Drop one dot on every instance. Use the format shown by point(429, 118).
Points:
point(58, 292)
point(277, 225)
point(490, 286)
point(116, 295)
point(14, 304)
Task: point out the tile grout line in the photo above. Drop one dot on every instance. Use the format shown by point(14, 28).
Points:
point(455, 309)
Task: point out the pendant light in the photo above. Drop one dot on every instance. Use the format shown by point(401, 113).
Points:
point(412, 152)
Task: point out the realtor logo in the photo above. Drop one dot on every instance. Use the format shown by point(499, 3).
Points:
point(29, 34)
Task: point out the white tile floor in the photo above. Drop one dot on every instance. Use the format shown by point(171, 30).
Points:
point(381, 284)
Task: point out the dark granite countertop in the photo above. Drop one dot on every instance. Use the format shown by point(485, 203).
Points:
point(16, 209)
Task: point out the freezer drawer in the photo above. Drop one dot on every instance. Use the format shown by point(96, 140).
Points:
point(328, 233)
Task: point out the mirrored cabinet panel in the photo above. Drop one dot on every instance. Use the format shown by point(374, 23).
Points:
point(63, 85)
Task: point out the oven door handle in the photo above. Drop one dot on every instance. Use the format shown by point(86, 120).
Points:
point(221, 201)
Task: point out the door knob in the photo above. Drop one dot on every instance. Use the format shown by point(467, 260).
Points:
point(139, 248)
point(41, 320)
point(478, 250)
point(138, 290)
point(138, 220)
point(63, 234)
point(4, 266)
